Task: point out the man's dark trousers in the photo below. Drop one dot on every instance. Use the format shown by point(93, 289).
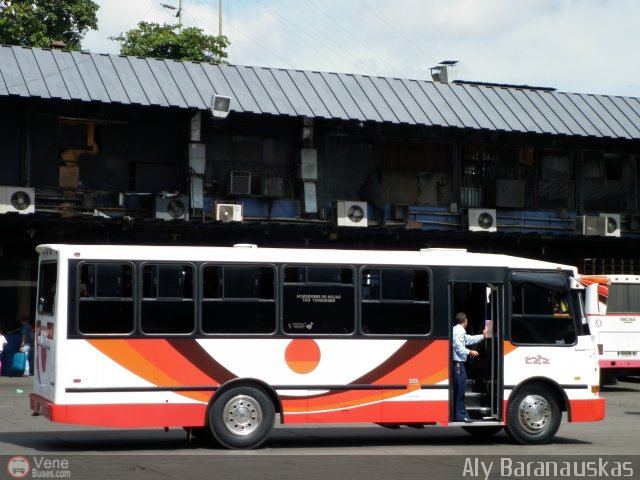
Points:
point(459, 385)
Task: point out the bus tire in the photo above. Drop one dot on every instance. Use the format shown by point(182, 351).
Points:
point(483, 432)
point(241, 417)
point(533, 415)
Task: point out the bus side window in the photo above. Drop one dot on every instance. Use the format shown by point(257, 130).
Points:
point(167, 305)
point(318, 300)
point(395, 301)
point(238, 299)
point(541, 316)
point(623, 298)
point(105, 301)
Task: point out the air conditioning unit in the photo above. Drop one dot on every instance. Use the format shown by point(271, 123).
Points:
point(350, 214)
point(482, 220)
point(239, 183)
point(20, 200)
point(229, 212)
point(591, 225)
point(613, 224)
point(171, 207)
point(272, 186)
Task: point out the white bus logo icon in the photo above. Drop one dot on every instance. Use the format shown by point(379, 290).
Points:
point(18, 467)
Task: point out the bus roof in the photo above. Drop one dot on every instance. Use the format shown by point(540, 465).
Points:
point(250, 253)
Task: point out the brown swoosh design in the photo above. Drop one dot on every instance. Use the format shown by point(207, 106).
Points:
point(194, 353)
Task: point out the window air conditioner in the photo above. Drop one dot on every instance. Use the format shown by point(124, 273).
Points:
point(272, 186)
point(172, 207)
point(591, 225)
point(350, 214)
point(482, 220)
point(239, 183)
point(613, 224)
point(20, 200)
point(229, 212)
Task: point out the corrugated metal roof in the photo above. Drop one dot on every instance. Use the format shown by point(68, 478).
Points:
point(85, 76)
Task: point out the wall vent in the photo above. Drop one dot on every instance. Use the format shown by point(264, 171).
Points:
point(239, 183)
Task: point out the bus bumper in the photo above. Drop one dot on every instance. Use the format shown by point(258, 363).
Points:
point(587, 410)
point(605, 364)
point(125, 415)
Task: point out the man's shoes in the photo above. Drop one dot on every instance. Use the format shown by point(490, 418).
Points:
point(467, 420)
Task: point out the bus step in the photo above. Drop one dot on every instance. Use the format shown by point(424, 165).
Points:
point(473, 399)
point(484, 411)
point(479, 423)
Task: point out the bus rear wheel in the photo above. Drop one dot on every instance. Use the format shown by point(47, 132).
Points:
point(533, 415)
point(241, 417)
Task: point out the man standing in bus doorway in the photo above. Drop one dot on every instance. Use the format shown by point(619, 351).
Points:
point(460, 341)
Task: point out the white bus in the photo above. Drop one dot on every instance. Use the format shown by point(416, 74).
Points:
point(612, 305)
point(224, 340)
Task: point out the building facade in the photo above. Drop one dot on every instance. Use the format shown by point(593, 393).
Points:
point(110, 149)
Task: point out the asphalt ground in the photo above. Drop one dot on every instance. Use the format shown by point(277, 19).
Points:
point(310, 452)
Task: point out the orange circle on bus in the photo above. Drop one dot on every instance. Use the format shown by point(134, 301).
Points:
point(302, 355)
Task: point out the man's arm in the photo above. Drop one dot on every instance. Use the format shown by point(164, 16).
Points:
point(473, 339)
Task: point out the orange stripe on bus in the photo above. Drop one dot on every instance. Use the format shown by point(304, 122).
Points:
point(140, 361)
point(508, 347)
point(172, 363)
point(128, 357)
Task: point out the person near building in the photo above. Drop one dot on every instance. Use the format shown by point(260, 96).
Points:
point(26, 342)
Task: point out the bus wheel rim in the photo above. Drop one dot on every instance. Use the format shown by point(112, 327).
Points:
point(534, 413)
point(242, 415)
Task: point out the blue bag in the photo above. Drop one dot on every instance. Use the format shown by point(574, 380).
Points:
point(18, 363)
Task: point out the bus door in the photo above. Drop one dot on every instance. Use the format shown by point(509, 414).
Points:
point(482, 304)
point(493, 352)
point(43, 367)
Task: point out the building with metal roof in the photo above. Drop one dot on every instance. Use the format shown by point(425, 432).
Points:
point(93, 77)
point(111, 149)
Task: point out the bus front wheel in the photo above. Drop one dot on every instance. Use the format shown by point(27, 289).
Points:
point(533, 415)
point(241, 417)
